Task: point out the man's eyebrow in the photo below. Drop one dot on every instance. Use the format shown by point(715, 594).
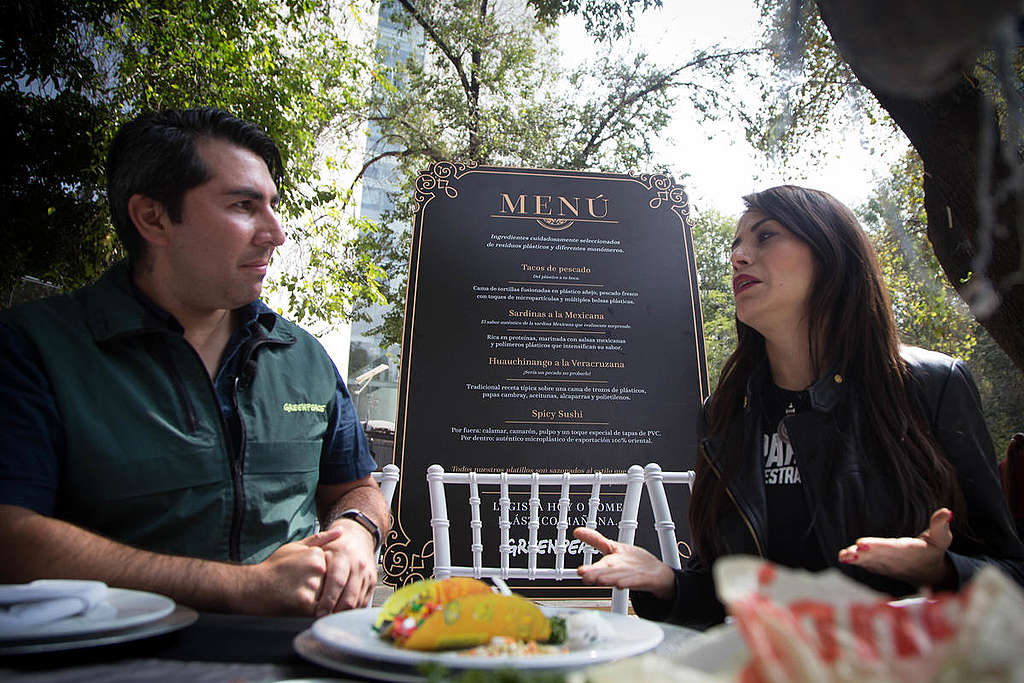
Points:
point(252, 193)
point(752, 228)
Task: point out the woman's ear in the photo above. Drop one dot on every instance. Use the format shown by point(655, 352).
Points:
point(150, 219)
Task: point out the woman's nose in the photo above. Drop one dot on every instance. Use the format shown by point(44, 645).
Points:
point(739, 256)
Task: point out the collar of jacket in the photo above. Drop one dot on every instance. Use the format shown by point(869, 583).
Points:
point(114, 309)
point(824, 394)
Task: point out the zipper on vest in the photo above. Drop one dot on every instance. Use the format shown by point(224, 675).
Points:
point(244, 376)
point(193, 420)
point(235, 540)
point(739, 509)
point(226, 442)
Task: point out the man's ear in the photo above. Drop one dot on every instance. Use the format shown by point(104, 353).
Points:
point(150, 219)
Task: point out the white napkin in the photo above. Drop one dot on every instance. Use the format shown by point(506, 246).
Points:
point(23, 606)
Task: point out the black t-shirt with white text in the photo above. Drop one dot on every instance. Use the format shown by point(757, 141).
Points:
point(790, 538)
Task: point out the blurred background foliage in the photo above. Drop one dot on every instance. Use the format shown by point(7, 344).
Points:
point(71, 71)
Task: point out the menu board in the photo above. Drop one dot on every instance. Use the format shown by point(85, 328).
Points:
point(552, 325)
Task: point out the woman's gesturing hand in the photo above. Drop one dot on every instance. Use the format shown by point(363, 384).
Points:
point(921, 561)
point(625, 566)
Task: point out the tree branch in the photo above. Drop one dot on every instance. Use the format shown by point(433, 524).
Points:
point(700, 61)
point(595, 137)
point(397, 153)
point(445, 49)
point(661, 83)
point(948, 128)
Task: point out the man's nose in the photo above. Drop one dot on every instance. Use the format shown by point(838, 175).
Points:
point(271, 232)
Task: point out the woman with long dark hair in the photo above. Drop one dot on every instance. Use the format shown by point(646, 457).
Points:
point(826, 442)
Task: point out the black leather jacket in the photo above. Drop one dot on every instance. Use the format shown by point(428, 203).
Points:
point(848, 495)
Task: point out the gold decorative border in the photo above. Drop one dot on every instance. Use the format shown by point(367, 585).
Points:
point(667, 191)
point(436, 177)
point(399, 562)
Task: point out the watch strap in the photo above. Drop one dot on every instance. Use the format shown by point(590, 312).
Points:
point(366, 523)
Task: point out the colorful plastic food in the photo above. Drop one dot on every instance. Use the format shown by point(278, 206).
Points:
point(460, 613)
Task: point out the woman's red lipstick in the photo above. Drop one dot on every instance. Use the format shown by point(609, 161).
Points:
point(743, 282)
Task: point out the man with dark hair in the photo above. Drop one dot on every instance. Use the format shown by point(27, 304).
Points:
point(163, 429)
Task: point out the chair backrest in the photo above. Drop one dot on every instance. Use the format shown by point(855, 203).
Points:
point(438, 479)
point(655, 479)
point(387, 478)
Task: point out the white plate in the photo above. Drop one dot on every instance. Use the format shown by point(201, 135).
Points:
point(352, 633)
point(312, 649)
point(180, 618)
point(122, 608)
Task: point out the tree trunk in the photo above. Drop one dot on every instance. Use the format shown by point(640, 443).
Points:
point(947, 130)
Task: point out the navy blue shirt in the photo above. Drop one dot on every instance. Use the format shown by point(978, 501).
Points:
point(33, 438)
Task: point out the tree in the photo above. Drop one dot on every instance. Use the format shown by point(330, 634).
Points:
point(487, 91)
point(712, 235)
point(53, 134)
point(810, 90)
point(73, 71)
point(955, 95)
point(604, 19)
point(1002, 401)
point(928, 312)
point(971, 187)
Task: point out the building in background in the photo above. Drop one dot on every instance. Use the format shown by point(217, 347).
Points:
point(370, 372)
point(376, 393)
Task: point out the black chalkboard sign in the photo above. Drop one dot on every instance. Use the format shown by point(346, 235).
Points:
point(552, 324)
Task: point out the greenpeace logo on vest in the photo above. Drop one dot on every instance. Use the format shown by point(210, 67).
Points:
point(304, 407)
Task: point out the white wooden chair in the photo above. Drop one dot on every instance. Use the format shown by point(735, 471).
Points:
point(655, 479)
point(438, 479)
point(387, 479)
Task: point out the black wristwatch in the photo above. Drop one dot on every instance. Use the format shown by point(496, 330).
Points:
point(366, 523)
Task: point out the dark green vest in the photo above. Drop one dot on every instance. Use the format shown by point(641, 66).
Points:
point(147, 460)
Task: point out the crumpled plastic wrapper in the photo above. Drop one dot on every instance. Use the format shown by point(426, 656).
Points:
point(791, 625)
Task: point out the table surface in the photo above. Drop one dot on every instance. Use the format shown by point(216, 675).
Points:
point(217, 647)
